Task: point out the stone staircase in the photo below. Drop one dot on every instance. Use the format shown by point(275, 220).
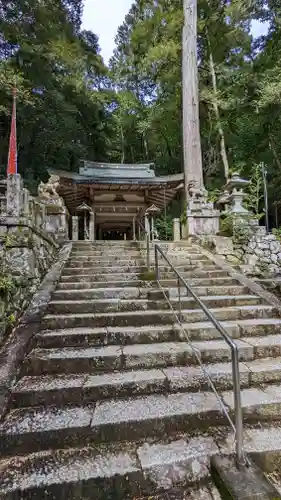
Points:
point(111, 402)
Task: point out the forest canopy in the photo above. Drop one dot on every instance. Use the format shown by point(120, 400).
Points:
point(70, 105)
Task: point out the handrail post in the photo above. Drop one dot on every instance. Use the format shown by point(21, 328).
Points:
point(240, 458)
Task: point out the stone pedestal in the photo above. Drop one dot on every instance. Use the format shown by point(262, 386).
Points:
point(56, 223)
point(14, 195)
point(176, 230)
point(75, 228)
point(202, 218)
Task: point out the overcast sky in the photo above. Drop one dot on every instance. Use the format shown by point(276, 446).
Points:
point(103, 17)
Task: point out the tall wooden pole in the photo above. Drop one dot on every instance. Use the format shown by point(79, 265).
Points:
point(193, 169)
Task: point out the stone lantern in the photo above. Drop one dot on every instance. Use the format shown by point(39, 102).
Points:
point(89, 223)
point(235, 187)
point(150, 213)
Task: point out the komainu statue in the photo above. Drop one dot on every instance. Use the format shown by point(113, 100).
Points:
point(48, 191)
point(196, 192)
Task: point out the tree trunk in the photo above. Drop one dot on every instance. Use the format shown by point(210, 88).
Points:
point(216, 110)
point(122, 144)
point(193, 170)
point(274, 152)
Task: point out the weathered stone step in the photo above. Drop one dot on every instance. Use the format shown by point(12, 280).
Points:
point(88, 283)
point(116, 472)
point(101, 278)
point(85, 337)
point(137, 293)
point(150, 317)
point(106, 271)
point(73, 284)
point(108, 256)
point(120, 277)
point(109, 270)
point(39, 428)
point(85, 388)
point(112, 305)
point(152, 355)
point(102, 293)
point(104, 264)
point(33, 429)
point(106, 260)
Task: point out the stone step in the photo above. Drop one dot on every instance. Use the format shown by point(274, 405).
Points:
point(85, 337)
point(101, 278)
point(122, 305)
point(150, 317)
point(38, 428)
point(110, 254)
point(85, 387)
point(102, 293)
point(120, 277)
point(152, 355)
point(107, 271)
point(138, 293)
point(34, 429)
point(94, 263)
point(129, 470)
point(120, 258)
point(88, 283)
point(231, 289)
point(109, 472)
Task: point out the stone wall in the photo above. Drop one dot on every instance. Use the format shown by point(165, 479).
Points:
point(26, 254)
point(31, 232)
point(261, 253)
point(251, 249)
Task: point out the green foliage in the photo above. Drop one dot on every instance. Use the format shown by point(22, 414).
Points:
point(7, 286)
point(255, 191)
point(148, 276)
point(226, 224)
point(60, 76)
point(164, 226)
point(277, 233)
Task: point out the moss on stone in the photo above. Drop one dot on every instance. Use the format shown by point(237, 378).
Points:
point(148, 276)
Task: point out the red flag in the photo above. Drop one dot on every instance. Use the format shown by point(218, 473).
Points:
point(12, 158)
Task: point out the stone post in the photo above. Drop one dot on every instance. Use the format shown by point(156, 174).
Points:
point(26, 211)
point(134, 228)
point(14, 195)
point(75, 227)
point(176, 230)
point(92, 228)
point(147, 225)
point(152, 228)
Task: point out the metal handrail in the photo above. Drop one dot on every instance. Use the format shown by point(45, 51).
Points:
point(240, 456)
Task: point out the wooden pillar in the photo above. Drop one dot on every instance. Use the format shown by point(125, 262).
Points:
point(193, 170)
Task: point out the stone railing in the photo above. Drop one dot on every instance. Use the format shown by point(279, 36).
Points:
point(31, 233)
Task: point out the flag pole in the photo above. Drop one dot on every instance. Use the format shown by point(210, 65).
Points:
point(12, 156)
